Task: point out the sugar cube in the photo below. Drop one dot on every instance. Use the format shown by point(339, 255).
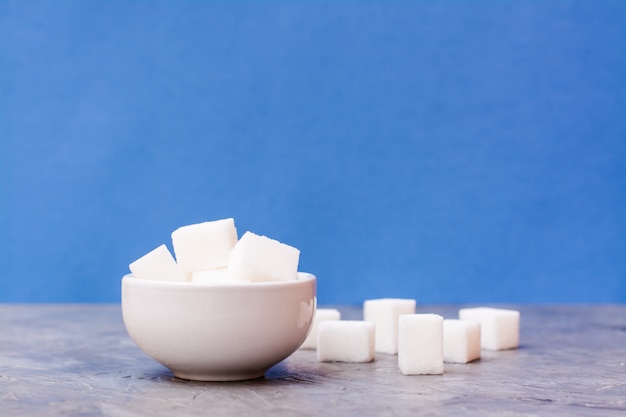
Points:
point(384, 312)
point(204, 245)
point(158, 264)
point(321, 314)
point(210, 275)
point(420, 344)
point(499, 327)
point(461, 341)
point(345, 341)
point(259, 258)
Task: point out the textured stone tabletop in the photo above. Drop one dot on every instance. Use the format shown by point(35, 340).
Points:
point(77, 360)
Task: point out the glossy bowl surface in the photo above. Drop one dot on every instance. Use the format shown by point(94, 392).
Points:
point(218, 332)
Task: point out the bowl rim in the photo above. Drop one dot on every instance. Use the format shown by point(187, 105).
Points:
point(301, 279)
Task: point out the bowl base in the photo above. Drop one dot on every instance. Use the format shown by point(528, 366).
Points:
point(217, 377)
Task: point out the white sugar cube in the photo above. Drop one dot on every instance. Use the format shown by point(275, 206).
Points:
point(158, 264)
point(499, 327)
point(384, 312)
point(321, 314)
point(259, 258)
point(345, 341)
point(420, 344)
point(461, 341)
point(210, 275)
point(204, 245)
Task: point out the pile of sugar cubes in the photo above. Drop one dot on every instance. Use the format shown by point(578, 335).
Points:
point(210, 252)
point(423, 342)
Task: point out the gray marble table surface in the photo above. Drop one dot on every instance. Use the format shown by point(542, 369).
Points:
point(77, 360)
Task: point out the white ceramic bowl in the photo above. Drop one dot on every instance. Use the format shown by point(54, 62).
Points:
point(218, 332)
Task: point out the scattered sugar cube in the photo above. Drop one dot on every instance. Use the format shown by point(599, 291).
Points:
point(210, 275)
point(420, 344)
point(499, 327)
point(158, 264)
point(461, 341)
point(321, 314)
point(259, 258)
point(345, 341)
point(204, 245)
point(384, 312)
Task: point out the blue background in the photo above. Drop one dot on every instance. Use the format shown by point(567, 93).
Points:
point(448, 151)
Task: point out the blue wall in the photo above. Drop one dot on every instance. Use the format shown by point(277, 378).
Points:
point(445, 151)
